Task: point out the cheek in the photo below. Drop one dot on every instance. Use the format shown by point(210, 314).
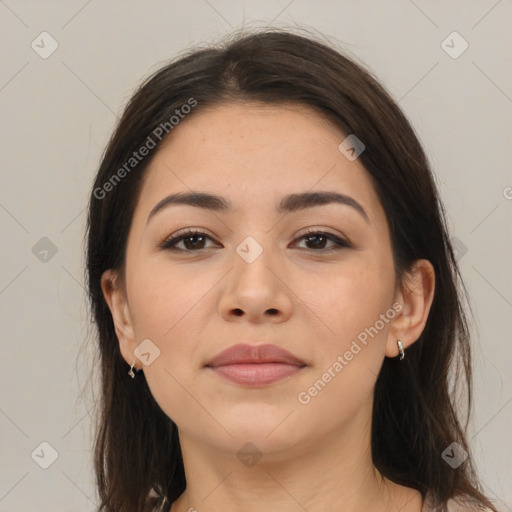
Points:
point(163, 298)
point(349, 358)
point(165, 306)
point(354, 301)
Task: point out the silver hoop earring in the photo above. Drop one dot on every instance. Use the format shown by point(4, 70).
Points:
point(401, 350)
point(131, 373)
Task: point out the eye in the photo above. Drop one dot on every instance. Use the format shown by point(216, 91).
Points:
point(194, 241)
point(318, 239)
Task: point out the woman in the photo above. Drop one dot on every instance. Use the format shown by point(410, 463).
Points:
point(277, 300)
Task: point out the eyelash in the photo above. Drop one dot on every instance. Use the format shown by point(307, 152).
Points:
point(169, 244)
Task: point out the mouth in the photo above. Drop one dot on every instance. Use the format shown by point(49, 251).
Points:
point(255, 365)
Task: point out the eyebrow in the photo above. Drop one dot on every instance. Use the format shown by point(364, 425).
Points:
point(289, 203)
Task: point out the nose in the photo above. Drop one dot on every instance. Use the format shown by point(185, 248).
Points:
point(256, 290)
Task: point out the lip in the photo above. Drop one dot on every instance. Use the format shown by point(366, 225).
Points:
point(255, 365)
point(254, 354)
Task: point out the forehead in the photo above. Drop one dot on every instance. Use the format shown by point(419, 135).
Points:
point(254, 154)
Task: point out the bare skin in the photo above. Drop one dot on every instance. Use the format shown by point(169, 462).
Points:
point(299, 294)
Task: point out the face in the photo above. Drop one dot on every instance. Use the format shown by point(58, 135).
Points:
point(315, 279)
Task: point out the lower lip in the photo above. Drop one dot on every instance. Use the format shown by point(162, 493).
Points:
point(256, 374)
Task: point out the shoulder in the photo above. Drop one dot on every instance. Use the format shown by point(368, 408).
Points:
point(465, 505)
point(458, 504)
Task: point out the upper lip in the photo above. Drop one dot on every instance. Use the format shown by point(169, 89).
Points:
point(246, 353)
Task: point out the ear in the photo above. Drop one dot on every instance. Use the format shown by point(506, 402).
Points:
point(118, 305)
point(415, 296)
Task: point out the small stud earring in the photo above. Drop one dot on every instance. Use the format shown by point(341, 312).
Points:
point(401, 350)
point(131, 373)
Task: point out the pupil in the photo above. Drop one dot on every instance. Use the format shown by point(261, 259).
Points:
point(195, 237)
point(317, 237)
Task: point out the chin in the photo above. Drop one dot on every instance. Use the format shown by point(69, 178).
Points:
point(270, 429)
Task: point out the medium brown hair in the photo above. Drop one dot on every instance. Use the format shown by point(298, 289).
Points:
point(414, 419)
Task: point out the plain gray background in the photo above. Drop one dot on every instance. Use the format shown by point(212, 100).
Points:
point(58, 112)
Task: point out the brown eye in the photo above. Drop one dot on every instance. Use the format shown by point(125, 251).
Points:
point(317, 240)
point(192, 241)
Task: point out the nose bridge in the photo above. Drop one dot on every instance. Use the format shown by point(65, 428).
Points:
point(254, 257)
point(254, 288)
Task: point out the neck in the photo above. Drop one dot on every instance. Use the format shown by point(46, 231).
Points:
point(334, 474)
